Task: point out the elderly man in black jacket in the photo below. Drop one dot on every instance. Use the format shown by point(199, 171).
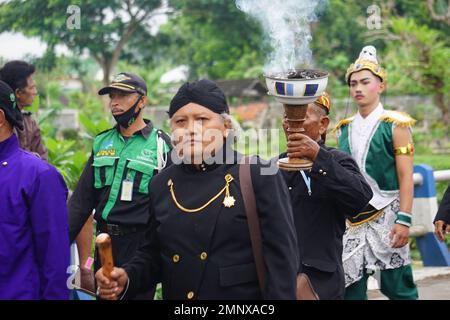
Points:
point(197, 241)
point(322, 199)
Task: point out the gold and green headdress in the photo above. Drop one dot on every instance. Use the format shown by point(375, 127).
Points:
point(367, 60)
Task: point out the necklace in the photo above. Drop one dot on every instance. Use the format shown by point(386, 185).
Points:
point(228, 201)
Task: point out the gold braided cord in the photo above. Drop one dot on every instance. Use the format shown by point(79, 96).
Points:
point(376, 215)
point(228, 179)
point(194, 210)
point(120, 85)
point(361, 213)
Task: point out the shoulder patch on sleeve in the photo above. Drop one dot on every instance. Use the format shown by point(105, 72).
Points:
point(401, 119)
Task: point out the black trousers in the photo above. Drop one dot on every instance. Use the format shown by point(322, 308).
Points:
point(328, 285)
point(124, 248)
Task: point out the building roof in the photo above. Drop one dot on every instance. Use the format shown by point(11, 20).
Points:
point(250, 112)
point(242, 88)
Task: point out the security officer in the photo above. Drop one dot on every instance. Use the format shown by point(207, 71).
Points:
point(322, 199)
point(116, 179)
point(198, 237)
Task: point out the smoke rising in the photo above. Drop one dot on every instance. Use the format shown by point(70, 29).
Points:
point(287, 25)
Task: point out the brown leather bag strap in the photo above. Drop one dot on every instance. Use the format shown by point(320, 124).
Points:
point(248, 195)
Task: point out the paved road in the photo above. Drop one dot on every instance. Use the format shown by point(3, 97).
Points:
point(435, 288)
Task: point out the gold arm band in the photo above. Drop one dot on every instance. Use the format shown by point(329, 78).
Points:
point(408, 150)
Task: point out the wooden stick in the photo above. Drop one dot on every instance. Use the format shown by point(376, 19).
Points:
point(103, 243)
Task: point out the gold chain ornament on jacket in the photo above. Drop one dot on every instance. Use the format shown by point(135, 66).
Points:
point(228, 201)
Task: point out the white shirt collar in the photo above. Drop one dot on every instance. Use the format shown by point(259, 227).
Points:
point(373, 116)
point(361, 130)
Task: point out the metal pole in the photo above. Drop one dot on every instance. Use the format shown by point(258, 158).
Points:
point(439, 176)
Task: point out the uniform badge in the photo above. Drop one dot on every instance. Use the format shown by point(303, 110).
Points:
point(121, 77)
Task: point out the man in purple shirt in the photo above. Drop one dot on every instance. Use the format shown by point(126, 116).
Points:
point(34, 236)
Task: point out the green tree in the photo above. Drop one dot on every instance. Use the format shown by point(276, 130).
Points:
point(214, 39)
point(105, 26)
point(339, 35)
point(421, 54)
point(66, 160)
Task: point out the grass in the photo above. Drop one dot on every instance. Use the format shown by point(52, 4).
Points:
point(436, 161)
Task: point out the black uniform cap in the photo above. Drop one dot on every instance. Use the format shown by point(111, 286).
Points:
point(203, 92)
point(126, 82)
point(9, 106)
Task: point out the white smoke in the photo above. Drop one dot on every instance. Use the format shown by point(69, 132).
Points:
point(287, 24)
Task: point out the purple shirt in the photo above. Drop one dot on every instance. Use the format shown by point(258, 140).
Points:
point(34, 236)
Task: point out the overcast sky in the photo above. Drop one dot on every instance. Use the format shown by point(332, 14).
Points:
point(16, 46)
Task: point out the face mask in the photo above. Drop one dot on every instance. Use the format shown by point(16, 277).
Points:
point(127, 118)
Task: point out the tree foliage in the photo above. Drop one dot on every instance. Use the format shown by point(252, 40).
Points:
point(105, 26)
point(215, 39)
point(419, 59)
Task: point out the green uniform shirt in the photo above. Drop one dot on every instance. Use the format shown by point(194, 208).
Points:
point(115, 160)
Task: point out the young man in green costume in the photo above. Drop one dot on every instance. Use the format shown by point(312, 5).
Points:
point(382, 145)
